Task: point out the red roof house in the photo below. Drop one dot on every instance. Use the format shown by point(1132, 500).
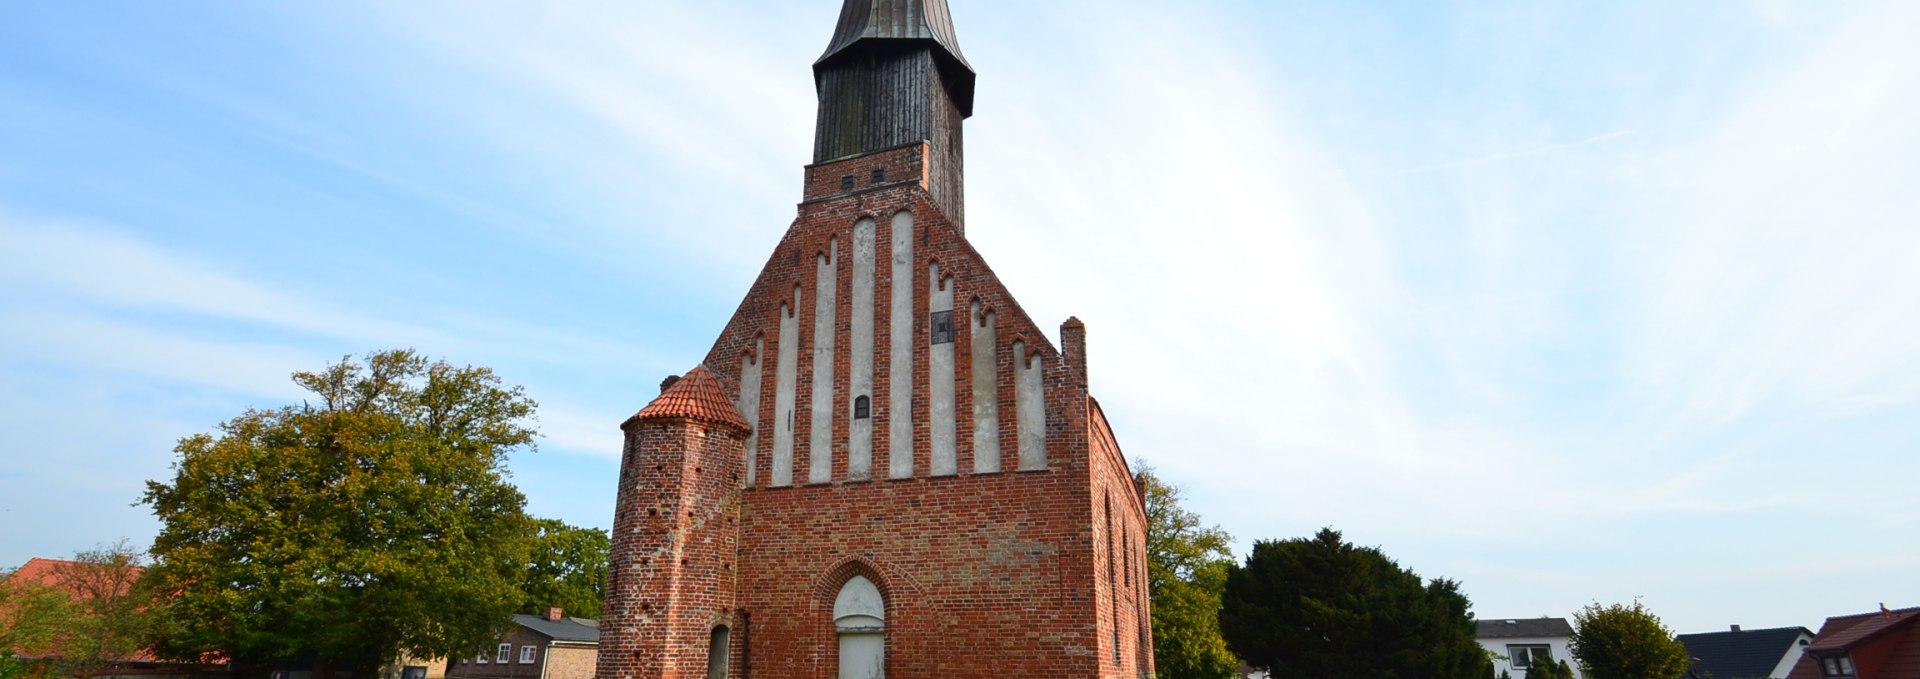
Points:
point(1880, 645)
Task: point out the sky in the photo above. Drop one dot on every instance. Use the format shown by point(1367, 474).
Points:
point(1569, 302)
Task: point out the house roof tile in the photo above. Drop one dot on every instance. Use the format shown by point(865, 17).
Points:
point(697, 396)
point(1842, 632)
point(1746, 653)
point(564, 629)
point(1509, 628)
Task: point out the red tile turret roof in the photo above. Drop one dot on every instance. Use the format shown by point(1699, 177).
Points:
point(697, 396)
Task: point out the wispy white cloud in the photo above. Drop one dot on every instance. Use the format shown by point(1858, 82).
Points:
point(1515, 155)
point(1779, 250)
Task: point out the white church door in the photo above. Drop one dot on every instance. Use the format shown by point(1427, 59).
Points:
point(863, 656)
point(859, 618)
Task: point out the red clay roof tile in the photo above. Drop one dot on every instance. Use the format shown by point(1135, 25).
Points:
point(697, 396)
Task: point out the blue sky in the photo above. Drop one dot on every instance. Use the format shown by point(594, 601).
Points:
point(1567, 301)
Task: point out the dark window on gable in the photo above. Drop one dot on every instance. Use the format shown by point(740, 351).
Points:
point(943, 327)
point(879, 174)
point(862, 408)
point(846, 183)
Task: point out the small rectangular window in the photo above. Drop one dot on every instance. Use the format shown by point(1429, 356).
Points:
point(942, 322)
point(505, 653)
point(846, 183)
point(879, 175)
point(526, 654)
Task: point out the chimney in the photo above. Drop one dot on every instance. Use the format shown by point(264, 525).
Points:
point(1736, 628)
point(668, 383)
point(553, 614)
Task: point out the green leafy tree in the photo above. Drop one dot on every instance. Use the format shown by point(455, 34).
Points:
point(568, 569)
point(32, 615)
point(77, 617)
point(1187, 566)
point(1625, 642)
point(1550, 669)
point(1317, 607)
point(108, 617)
point(372, 520)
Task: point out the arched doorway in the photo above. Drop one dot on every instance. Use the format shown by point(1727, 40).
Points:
point(860, 621)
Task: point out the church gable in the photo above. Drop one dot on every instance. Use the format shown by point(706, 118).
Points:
point(836, 393)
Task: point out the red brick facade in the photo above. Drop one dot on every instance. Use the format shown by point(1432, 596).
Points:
point(1035, 570)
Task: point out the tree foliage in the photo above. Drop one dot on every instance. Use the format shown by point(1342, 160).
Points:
point(1319, 607)
point(32, 615)
point(371, 521)
point(1186, 572)
point(568, 569)
point(1550, 669)
point(109, 619)
point(1625, 642)
point(79, 617)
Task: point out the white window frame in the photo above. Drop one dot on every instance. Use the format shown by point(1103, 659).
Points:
point(481, 658)
point(1517, 651)
point(504, 655)
point(526, 653)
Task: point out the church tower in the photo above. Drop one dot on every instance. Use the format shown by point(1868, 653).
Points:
point(893, 75)
point(882, 467)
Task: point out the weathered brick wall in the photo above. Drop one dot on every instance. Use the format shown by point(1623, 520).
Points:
point(1124, 600)
point(674, 547)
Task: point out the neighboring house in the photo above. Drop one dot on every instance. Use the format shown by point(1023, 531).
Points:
point(547, 646)
point(1882, 645)
point(1745, 654)
point(1522, 641)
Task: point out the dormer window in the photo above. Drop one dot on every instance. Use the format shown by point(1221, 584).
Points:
point(1836, 666)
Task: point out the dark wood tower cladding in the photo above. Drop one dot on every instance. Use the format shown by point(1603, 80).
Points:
point(894, 75)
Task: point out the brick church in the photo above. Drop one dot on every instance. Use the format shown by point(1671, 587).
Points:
point(883, 467)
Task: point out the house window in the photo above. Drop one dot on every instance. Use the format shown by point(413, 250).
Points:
point(505, 654)
point(482, 658)
point(1524, 655)
point(1841, 666)
point(526, 654)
